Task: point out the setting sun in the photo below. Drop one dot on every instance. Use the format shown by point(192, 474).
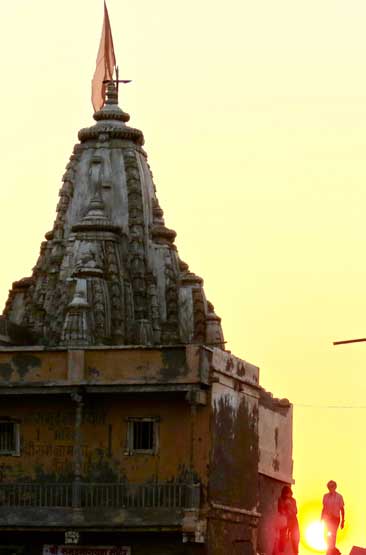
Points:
point(314, 536)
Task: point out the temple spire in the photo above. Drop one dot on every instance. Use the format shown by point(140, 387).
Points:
point(109, 272)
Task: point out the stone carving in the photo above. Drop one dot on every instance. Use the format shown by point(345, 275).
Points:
point(154, 309)
point(76, 327)
point(137, 261)
point(101, 310)
point(171, 332)
point(109, 271)
point(214, 335)
point(159, 232)
point(130, 314)
point(116, 294)
point(199, 316)
point(89, 260)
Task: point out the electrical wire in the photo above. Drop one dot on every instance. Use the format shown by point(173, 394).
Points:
point(332, 407)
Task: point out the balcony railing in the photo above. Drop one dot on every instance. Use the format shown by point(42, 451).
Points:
point(88, 495)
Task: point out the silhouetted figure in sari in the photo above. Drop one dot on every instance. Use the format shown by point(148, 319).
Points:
point(332, 515)
point(290, 530)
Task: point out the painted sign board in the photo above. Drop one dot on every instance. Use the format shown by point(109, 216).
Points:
point(86, 550)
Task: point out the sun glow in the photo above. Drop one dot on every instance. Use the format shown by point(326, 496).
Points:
point(314, 536)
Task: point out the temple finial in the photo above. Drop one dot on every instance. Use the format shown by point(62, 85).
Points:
point(112, 93)
point(110, 109)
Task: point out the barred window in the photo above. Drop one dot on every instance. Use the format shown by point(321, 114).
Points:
point(142, 435)
point(9, 438)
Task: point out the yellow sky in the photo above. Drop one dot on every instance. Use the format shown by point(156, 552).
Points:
point(254, 115)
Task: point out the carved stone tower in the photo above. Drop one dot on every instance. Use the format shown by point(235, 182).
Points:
point(109, 272)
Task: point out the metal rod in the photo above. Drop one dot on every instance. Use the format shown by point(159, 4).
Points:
point(349, 341)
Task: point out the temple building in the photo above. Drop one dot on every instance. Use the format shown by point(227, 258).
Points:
point(126, 428)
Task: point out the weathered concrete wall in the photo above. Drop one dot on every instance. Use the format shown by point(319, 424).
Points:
point(226, 363)
point(233, 481)
point(101, 366)
point(230, 534)
point(47, 438)
point(139, 365)
point(21, 366)
point(234, 455)
point(216, 426)
point(275, 462)
point(269, 492)
point(275, 437)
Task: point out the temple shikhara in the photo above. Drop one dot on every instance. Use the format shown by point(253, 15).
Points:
point(126, 428)
point(109, 272)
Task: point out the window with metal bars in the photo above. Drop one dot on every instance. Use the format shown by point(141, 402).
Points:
point(142, 435)
point(9, 438)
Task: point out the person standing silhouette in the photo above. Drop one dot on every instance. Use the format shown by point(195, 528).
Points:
point(333, 516)
point(287, 507)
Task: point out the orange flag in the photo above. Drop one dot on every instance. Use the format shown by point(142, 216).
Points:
point(106, 62)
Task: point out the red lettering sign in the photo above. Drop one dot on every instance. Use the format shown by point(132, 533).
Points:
point(86, 550)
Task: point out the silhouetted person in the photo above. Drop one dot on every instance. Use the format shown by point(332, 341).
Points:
point(287, 507)
point(332, 515)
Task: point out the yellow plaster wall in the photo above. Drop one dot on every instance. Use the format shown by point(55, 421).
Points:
point(32, 366)
point(138, 366)
point(43, 451)
point(100, 366)
point(47, 428)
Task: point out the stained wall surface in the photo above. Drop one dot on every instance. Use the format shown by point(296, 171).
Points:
point(233, 485)
point(275, 463)
point(215, 424)
point(47, 438)
point(275, 438)
point(100, 365)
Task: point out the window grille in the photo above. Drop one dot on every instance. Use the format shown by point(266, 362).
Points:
point(142, 435)
point(9, 438)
